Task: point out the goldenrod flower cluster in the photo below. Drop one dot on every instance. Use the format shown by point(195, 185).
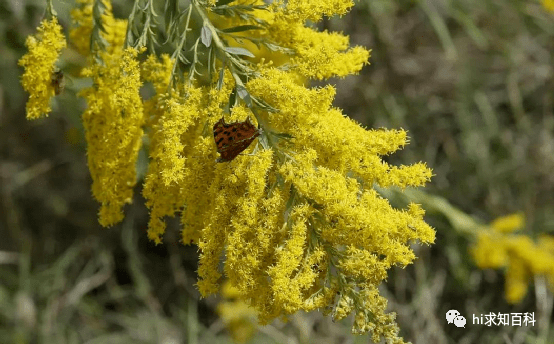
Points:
point(499, 247)
point(114, 116)
point(39, 64)
point(298, 223)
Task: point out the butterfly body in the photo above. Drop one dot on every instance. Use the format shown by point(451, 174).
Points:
point(233, 138)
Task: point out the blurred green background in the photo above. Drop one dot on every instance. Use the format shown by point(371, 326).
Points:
point(471, 81)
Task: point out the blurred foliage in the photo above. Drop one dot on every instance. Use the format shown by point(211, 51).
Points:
point(471, 81)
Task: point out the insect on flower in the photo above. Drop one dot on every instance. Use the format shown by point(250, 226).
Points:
point(231, 139)
point(58, 81)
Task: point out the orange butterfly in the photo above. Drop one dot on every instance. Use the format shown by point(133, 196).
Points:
point(231, 139)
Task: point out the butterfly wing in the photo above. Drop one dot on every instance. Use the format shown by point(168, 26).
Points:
point(231, 139)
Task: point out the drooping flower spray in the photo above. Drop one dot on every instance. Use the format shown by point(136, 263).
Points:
point(297, 221)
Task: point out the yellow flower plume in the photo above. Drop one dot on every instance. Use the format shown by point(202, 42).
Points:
point(39, 65)
point(113, 131)
point(295, 216)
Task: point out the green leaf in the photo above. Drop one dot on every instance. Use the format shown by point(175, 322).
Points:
point(243, 93)
point(220, 80)
point(238, 51)
point(241, 28)
point(264, 105)
point(171, 11)
point(285, 136)
point(233, 98)
point(206, 35)
point(130, 38)
point(275, 47)
point(183, 59)
point(223, 2)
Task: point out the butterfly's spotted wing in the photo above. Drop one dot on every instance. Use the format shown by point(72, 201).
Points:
point(231, 139)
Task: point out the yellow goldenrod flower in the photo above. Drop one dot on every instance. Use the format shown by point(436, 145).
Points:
point(298, 221)
point(300, 10)
point(239, 318)
point(370, 316)
point(238, 208)
point(167, 171)
point(157, 72)
point(114, 114)
point(546, 244)
point(489, 251)
point(496, 247)
point(318, 55)
point(510, 223)
point(286, 289)
point(113, 131)
point(82, 20)
point(517, 280)
point(344, 307)
point(113, 33)
point(179, 169)
point(39, 65)
point(548, 4)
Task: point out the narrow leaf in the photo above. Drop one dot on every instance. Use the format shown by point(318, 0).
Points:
point(241, 28)
point(206, 35)
point(238, 51)
point(223, 2)
point(233, 98)
point(220, 80)
point(243, 93)
point(170, 11)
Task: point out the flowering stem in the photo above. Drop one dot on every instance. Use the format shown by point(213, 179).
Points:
point(50, 11)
